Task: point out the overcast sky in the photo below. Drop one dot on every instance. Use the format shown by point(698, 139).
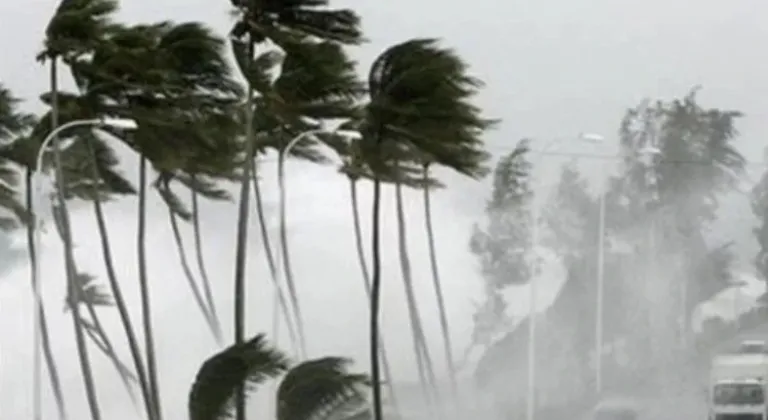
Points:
point(553, 68)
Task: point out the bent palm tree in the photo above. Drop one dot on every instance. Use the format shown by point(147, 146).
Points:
point(90, 174)
point(472, 164)
point(175, 105)
point(418, 98)
point(258, 21)
point(71, 32)
point(176, 209)
point(317, 83)
point(318, 389)
point(354, 169)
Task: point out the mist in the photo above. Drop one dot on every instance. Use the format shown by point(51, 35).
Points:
point(552, 69)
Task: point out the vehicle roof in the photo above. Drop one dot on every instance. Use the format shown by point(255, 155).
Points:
point(738, 381)
point(740, 359)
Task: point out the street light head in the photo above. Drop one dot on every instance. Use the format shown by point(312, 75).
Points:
point(120, 123)
point(350, 134)
point(650, 151)
point(592, 137)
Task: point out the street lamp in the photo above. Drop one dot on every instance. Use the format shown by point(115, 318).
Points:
point(533, 289)
point(646, 152)
point(36, 202)
point(349, 134)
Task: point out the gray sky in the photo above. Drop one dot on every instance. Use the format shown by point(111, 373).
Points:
point(553, 68)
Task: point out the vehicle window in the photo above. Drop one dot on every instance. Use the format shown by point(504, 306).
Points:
point(725, 394)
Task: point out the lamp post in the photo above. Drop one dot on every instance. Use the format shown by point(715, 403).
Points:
point(352, 135)
point(600, 294)
point(533, 289)
point(37, 203)
point(37, 181)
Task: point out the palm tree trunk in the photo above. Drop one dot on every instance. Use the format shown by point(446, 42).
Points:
point(374, 333)
point(438, 286)
point(241, 247)
point(267, 244)
point(367, 284)
point(146, 307)
point(44, 339)
point(203, 271)
point(73, 289)
point(288, 272)
point(423, 359)
point(117, 292)
point(191, 278)
point(96, 332)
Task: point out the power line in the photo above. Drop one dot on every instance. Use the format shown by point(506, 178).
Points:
point(618, 157)
point(593, 156)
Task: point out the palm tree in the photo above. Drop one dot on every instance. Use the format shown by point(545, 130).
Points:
point(354, 169)
point(256, 22)
point(402, 174)
point(71, 32)
point(90, 174)
point(436, 283)
point(189, 91)
point(318, 82)
point(76, 167)
point(321, 389)
point(419, 100)
point(421, 348)
point(13, 125)
point(177, 209)
point(472, 164)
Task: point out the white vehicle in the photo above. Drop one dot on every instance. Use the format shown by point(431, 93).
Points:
point(738, 387)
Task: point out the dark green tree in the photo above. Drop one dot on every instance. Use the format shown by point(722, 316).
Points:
point(317, 83)
point(72, 32)
point(258, 22)
point(183, 111)
point(315, 389)
point(420, 102)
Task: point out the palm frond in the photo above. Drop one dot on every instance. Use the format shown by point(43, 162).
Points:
point(275, 19)
point(421, 98)
point(12, 121)
point(76, 26)
point(248, 364)
point(317, 388)
point(174, 203)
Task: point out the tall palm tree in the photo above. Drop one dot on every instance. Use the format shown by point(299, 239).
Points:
point(436, 283)
point(419, 99)
point(176, 209)
point(474, 165)
point(318, 82)
point(90, 174)
point(76, 167)
point(354, 169)
point(321, 389)
point(189, 88)
point(71, 32)
point(401, 174)
point(256, 22)
point(421, 348)
point(14, 125)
